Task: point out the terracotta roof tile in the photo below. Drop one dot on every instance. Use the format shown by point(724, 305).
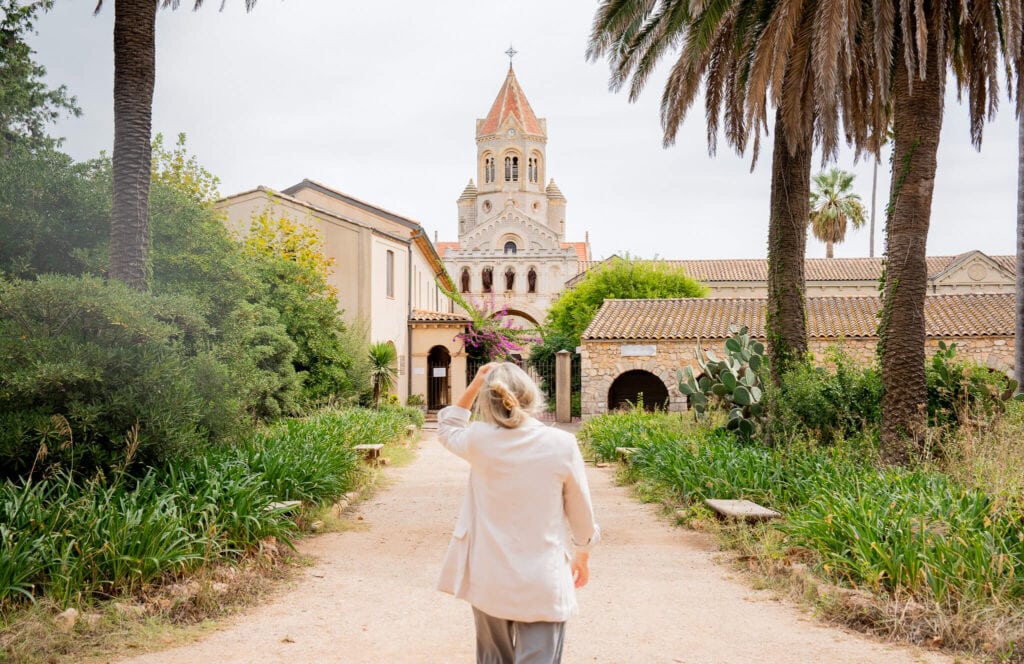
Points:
point(442, 247)
point(420, 316)
point(816, 269)
point(960, 315)
point(581, 251)
point(511, 102)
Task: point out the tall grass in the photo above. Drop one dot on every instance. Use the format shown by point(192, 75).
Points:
point(69, 538)
point(896, 531)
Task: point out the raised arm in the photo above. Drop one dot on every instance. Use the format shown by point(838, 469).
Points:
point(453, 420)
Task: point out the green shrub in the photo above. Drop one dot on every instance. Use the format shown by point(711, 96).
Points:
point(962, 392)
point(407, 414)
point(83, 363)
point(815, 403)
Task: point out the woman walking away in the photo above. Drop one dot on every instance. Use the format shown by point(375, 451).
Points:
point(510, 552)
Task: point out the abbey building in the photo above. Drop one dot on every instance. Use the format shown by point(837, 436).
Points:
point(512, 253)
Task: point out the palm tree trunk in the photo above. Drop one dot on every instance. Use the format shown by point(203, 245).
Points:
point(134, 76)
point(917, 124)
point(786, 322)
point(1018, 366)
point(828, 249)
point(874, 191)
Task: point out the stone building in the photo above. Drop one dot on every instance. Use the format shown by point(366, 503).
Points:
point(386, 273)
point(969, 272)
point(636, 346)
point(511, 245)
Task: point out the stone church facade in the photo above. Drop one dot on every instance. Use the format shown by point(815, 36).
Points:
point(511, 252)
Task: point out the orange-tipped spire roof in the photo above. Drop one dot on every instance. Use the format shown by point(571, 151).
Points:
point(511, 102)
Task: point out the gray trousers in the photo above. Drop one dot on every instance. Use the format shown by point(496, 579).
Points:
point(501, 641)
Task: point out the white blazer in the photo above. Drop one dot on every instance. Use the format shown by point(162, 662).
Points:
point(509, 555)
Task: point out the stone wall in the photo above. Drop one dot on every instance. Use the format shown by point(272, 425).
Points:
point(604, 361)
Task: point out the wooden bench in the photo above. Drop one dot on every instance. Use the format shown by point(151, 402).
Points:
point(625, 453)
point(370, 452)
point(741, 510)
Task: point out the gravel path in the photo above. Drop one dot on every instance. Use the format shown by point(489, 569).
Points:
point(655, 594)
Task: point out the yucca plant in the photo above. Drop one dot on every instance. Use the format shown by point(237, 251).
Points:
point(383, 369)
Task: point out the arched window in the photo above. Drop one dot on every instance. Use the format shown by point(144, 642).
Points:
point(508, 169)
point(531, 169)
point(510, 247)
point(515, 169)
point(489, 169)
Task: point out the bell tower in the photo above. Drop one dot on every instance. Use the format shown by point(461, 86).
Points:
point(511, 167)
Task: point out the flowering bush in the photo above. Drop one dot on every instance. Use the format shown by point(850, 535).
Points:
point(492, 333)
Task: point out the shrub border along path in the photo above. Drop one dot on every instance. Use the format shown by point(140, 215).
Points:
point(656, 594)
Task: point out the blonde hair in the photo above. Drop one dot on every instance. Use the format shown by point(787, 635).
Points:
point(508, 397)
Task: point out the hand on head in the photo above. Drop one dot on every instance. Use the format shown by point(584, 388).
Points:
point(486, 369)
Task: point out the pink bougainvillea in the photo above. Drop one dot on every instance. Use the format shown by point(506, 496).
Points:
point(492, 334)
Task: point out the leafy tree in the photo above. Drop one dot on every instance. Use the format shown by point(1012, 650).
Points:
point(54, 212)
point(383, 369)
point(27, 104)
point(620, 278)
point(292, 271)
point(178, 169)
point(833, 206)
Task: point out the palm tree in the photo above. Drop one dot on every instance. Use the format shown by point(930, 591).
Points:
point(383, 369)
point(134, 78)
point(747, 53)
point(833, 206)
point(1018, 366)
point(914, 42)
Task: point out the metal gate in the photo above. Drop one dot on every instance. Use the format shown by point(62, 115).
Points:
point(543, 374)
point(439, 363)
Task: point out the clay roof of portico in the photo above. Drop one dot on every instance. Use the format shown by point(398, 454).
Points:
point(959, 315)
point(511, 102)
point(420, 316)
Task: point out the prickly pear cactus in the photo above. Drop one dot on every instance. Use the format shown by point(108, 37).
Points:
point(732, 382)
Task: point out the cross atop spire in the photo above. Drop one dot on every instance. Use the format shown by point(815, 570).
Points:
point(511, 53)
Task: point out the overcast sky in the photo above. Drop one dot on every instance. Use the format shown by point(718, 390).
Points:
point(379, 100)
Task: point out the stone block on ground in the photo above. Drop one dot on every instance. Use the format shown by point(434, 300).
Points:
point(66, 619)
point(744, 510)
point(625, 453)
point(284, 505)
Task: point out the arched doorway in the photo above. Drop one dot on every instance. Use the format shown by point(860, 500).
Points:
point(439, 362)
point(632, 386)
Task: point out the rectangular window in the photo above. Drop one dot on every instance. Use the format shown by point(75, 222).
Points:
point(390, 267)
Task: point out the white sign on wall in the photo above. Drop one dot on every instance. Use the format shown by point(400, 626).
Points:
point(639, 351)
point(440, 372)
